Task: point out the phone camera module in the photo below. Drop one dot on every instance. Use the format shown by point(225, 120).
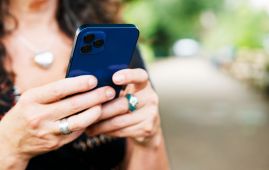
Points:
point(98, 43)
point(86, 49)
point(89, 38)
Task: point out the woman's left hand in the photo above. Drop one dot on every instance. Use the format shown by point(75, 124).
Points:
point(143, 124)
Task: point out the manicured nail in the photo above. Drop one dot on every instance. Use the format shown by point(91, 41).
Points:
point(92, 81)
point(110, 93)
point(119, 78)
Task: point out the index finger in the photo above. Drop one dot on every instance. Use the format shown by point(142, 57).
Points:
point(63, 88)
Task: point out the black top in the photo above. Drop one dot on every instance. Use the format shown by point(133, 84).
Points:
point(98, 153)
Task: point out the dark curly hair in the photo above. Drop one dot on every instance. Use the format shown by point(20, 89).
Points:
point(70, 14)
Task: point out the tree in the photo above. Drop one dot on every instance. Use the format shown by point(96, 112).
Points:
point(165, 21)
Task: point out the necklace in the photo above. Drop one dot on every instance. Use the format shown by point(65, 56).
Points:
point(42, 58)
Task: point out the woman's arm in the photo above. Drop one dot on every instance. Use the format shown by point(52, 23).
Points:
point(136, 125)
point(33, 126)
point(148, 155)
point(143, 123)
point(8, 159)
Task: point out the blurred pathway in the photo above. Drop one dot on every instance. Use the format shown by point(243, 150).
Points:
point(210, 121)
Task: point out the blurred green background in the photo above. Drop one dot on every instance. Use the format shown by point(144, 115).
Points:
point(165, 21)
point(209, 62)
point(241, 25)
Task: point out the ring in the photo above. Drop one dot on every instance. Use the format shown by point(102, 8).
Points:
point(64, 127)
point(132, 102)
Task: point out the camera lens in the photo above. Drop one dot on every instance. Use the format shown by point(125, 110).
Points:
point(89, 38)
point(86, 49)
point(98, 43)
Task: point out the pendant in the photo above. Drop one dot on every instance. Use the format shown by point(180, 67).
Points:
point(44, 59)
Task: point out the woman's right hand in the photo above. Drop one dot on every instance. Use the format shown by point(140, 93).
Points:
point(31, 127)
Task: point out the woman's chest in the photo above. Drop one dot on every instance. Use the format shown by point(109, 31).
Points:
point(29, 73)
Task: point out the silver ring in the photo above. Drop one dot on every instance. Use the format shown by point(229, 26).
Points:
point(64, 127)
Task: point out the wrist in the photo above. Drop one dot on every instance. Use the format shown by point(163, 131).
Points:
point(9, 158)
point(12, 162)
point(153, 141)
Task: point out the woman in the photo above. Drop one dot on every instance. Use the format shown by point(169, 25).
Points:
point(34, 127)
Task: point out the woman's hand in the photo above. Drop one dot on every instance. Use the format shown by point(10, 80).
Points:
point(143, 124)
point(31, 127)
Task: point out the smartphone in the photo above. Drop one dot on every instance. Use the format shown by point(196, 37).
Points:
point(101, 50)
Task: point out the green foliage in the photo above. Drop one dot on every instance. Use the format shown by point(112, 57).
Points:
point(164, 21)
point(241, 27)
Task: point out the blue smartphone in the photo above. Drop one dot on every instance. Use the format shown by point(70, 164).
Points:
point(101, 50)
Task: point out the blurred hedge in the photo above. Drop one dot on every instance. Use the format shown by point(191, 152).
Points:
point(164, 21)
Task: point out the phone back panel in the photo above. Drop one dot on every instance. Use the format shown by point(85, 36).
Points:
point(102, 50)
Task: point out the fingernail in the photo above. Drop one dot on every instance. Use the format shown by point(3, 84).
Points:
point(110, 93)
point(92, 81)
point(119, 78)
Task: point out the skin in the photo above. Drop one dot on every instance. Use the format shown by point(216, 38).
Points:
point(44, 102)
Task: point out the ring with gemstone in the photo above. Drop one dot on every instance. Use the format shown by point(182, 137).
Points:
point(64, 127)
point(132, 102)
